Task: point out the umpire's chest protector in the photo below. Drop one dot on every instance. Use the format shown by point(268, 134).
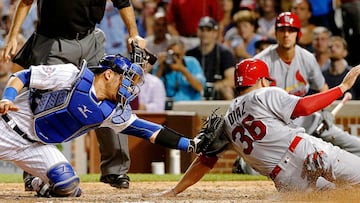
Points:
point(63, 115)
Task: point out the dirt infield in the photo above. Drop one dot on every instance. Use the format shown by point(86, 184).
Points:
point(204, 191)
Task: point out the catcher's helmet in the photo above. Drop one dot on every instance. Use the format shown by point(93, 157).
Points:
point(132, 75)
point(288, 19)
point(248, 71)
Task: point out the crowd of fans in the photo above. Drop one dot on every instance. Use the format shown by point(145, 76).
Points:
point(202, 52)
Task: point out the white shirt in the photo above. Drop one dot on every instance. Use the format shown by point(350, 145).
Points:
point(152, 93)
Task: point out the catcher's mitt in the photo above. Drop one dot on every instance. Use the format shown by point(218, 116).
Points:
point(212, 137)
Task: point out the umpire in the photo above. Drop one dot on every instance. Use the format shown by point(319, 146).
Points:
point(66, 33)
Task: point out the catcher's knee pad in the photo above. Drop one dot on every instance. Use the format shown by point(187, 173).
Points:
point(64, 181)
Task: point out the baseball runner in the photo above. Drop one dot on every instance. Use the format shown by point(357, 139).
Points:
point(258, 126)
point(62, 103)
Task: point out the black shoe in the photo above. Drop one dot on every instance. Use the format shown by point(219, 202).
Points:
point(27, 177)
point(118, 181)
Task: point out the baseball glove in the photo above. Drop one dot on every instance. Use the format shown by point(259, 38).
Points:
point(212, 137)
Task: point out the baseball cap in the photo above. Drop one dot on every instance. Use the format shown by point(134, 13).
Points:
point(208, 22)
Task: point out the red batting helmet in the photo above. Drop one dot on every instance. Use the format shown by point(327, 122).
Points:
point(248, 71)
point(288, 19)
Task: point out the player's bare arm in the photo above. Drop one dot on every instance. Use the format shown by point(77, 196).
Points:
point(128, 16)
point(193, 174)
point(21, 12)
point(12, 88)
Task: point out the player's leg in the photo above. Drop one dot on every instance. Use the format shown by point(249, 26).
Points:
point(343, 139)
point(53, 174)
point(115, 158)
point(334, 134)
point(345, 167)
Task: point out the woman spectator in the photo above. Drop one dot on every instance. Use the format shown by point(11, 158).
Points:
point(243, 45)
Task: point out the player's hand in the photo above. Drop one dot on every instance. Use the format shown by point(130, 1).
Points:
point(138, 40)
point(166, 193)
point(9, 50)
point(6, 105)
point(350, 78)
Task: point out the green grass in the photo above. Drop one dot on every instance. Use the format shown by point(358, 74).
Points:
point(138, 177)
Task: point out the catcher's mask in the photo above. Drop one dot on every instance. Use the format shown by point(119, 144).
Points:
point(288, 19)
point(248, 71)
point(132, 76)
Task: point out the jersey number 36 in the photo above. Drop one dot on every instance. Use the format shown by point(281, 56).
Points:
point(256, 131)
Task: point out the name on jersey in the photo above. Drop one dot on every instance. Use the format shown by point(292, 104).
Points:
point(236, 114)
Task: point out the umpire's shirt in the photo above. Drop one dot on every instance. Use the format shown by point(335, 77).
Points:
point(71, 19)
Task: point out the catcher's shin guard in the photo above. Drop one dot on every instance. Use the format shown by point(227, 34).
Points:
point(63, 181)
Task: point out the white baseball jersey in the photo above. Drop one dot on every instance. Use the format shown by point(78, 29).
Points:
point(296, 78)
point(259, 125)
point(36, 158)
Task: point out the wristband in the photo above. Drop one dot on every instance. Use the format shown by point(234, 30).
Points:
point(9, 93)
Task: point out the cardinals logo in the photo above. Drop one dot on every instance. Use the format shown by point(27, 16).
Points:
point(300, 88)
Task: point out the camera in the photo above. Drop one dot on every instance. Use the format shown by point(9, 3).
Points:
point(209, 91)
point(170, 57)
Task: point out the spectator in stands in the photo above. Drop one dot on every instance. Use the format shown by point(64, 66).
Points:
point(114, 29)
point(217, 61)
point(302, 8)
point(351, 28)
point(268, 10)
point(243, 45)
point(323, 14)
point(320, 44)
point(338, 66)
point(183, 17)
point(159, 40)
point(147, 15)
point(263, 43)
point(152, 96)
point(227, 22)
point(182, 75)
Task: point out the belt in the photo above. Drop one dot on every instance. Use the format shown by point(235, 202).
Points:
point(291, 148)
point(66, 35)
point(16, 128)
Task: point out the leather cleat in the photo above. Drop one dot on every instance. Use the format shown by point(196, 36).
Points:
point(118, 181)
point(27, 182)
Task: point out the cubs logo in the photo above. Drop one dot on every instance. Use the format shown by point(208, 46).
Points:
point(48, 69)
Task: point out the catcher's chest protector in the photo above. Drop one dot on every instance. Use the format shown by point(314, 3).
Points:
point(63, 115)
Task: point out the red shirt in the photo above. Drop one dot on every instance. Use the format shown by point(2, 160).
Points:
point(186, 14)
